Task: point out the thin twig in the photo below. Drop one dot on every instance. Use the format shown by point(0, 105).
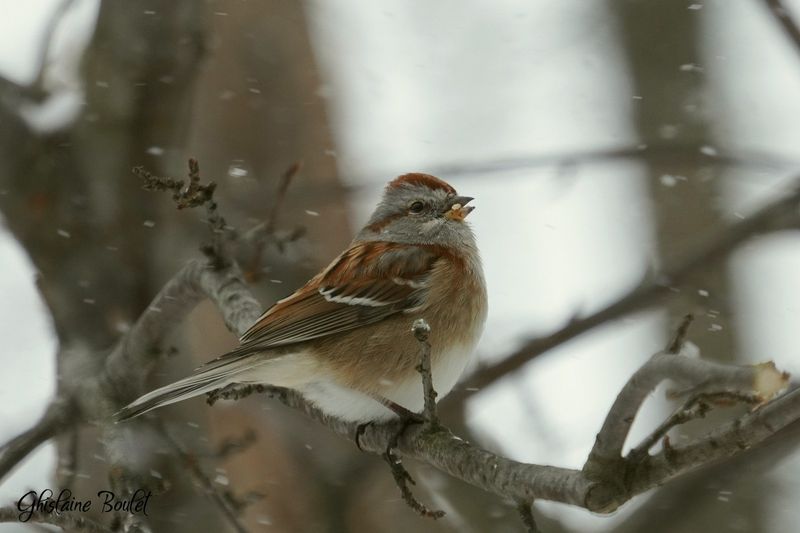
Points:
point(783, 16)
point(703, 375)
point(13, 94)
point(676, 344)
point(694, 408)
point(525, 510)
point(234, 445)
point(68, 458)
point(402, 478)
point(669, 153)
point(283, 186)
point(723, 442)
point(185, 195)
point(421, 331)
point(194, 194)
point(219, 498)
point(59, 415)
point(47, 44)
point(258, 236)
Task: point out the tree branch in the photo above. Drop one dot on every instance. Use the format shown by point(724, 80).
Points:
point(526, 514)
point(697, 375)
point(722, 443)
point(763, 380)
point(783, 17)
point(58, 416)
point(421, 330)
point(696, 407)
point(684, 153)
point(602, 486)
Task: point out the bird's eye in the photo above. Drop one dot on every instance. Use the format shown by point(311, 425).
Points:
point(416, 207)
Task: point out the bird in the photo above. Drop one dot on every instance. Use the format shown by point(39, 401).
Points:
point(344, 340)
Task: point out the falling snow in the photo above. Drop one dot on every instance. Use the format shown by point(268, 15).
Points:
point(708, 150)
point(668, 180)
point(236, 171)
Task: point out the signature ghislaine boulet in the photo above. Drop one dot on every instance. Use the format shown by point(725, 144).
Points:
point(43, 502)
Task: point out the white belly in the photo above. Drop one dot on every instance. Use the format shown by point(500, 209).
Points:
point(354, 406)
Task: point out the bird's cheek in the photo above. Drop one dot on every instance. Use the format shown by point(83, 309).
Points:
point(431, 227)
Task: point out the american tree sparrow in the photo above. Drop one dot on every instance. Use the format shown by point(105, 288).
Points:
point(344, 339)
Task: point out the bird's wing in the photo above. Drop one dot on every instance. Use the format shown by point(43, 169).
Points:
point(367, 283)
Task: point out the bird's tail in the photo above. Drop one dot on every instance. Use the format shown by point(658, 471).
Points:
point(174, 392)
point(247, 367)
point(207, 378)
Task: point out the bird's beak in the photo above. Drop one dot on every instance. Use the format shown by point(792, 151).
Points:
point(459, 208)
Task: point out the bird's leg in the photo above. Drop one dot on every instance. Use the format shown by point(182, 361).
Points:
point(399, 410)
point(401, 476)
point(406, 416)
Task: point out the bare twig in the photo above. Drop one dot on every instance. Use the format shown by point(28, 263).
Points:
point(723, 442)
point(526, 514)
point(66, 521)
point(58, 416)
point(234, 445)
point(421, 331)
point(779, 214)
point(762, 379)
point(219, 498)
point(194, 194)
point(258, 236)
point(670, 153)
point(783, 16)
point(156, 183)
point(280, 195)
point(47, 44)
point(68, 458)
point(13, 94)
point(676, 344)
point(694, 408)
point(402, 478)
point(185, 195)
